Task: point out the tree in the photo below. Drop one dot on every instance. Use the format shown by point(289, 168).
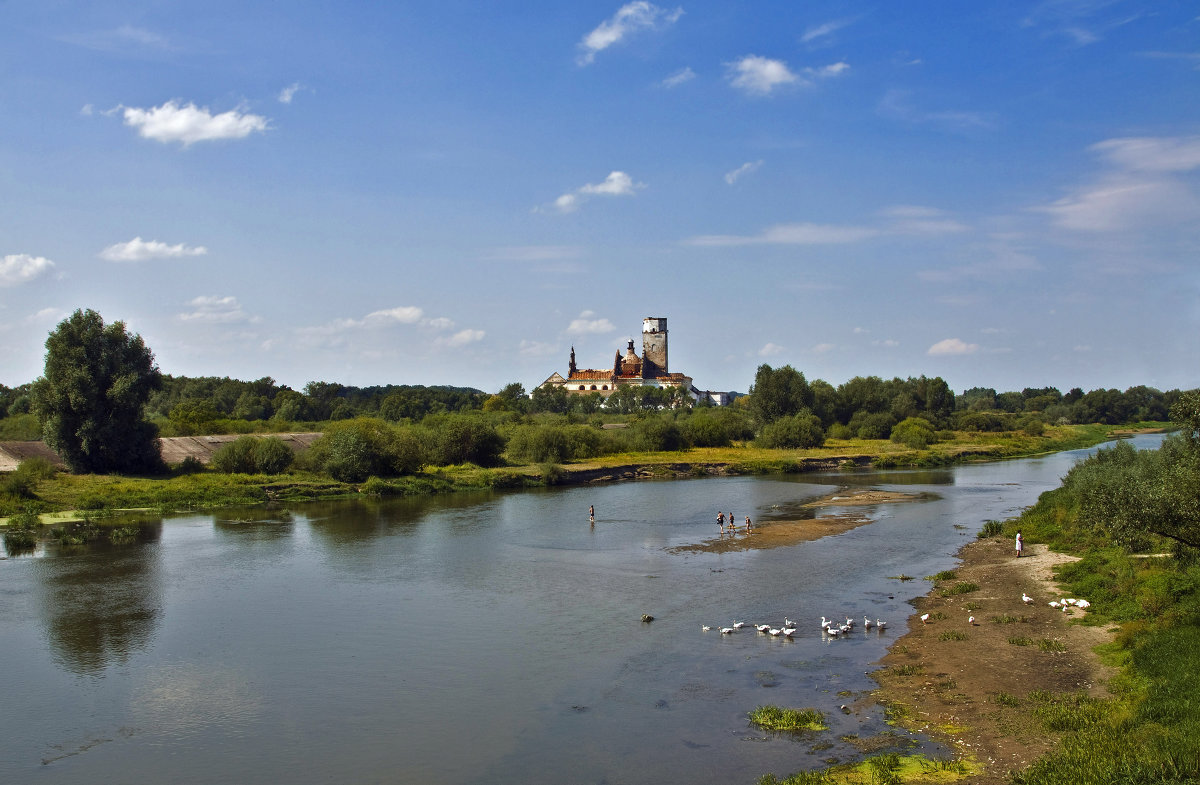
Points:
point(90, 400)
point(779, 393)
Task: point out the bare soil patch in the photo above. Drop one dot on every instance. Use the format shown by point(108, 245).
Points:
point(968, 684)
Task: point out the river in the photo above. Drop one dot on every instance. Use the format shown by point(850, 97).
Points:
point(481, 638)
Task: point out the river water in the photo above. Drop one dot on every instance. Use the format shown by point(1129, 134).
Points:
point(482, 638)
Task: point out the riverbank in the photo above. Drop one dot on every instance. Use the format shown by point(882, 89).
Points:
point(94, 495)
point(974, 685)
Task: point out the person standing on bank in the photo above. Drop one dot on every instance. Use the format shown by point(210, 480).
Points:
point(1020, 545)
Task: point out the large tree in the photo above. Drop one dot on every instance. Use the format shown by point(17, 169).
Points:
point(779, 392)
point(90, 401)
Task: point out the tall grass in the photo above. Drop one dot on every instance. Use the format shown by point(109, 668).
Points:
point(780, 719)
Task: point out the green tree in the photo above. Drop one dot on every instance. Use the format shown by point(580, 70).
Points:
point(90, 401)
point(801, 431)
point(779, 393)
point(914, 432)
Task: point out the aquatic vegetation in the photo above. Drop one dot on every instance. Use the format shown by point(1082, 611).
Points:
point(780, 719)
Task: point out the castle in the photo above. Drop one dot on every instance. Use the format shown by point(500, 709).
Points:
point(651, 369)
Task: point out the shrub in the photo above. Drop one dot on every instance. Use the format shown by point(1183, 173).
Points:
point(872, 426)
point(839, 431)
point(189, 465)
point(21, 533)
point(461, 438)
point(705, 430)
point(658, 434)
point(797, 431)
point(235, 457)
point(271, 455)
point(914, 432)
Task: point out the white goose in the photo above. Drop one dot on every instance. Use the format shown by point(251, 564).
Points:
point(924, 618)
point(705, 628)
point(880, 623)
point(727, 630)
point(788, 632)
point(866, 623)
point(1025, 598)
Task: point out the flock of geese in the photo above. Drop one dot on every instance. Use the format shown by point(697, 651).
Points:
point(829, 627)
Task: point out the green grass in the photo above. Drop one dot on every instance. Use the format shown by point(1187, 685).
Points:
point(962, 587)
point(792, 720)
point(953, 635)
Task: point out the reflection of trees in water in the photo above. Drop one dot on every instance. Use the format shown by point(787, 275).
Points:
point(101, 603)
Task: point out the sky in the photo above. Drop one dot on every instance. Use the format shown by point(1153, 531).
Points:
point(1002, 194)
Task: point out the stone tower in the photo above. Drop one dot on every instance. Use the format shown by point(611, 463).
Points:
point(654, 346)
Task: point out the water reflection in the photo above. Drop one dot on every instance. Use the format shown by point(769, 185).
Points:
point(100, 603)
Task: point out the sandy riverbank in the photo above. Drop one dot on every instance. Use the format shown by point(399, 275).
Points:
point(778, 534)
point(967, 684)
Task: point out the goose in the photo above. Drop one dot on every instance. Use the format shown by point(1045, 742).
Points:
point(788, 632)
point(849, 622)
point(727, 630)
point(845, 629)
point(833, 631)
point(824, 623)
point(1082, 604)
point(737, 625)
point(705, 628)
point(788, 622)
point(762, 627)
point(774, 631)
point(1054, 604)
point(924, 618)
point(1069, 601)
point(970, 620)
point(866, 623)
point(880, 624)
point(1025, 598)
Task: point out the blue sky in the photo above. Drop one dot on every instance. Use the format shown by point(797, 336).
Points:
point(1001, 194)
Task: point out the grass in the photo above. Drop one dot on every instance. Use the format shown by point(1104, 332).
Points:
point(953, 635)
point(1020, 641)
point(1046, 644)
point(962, 587)
point(776, 718)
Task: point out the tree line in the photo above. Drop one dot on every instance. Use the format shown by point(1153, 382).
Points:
point(102, 401)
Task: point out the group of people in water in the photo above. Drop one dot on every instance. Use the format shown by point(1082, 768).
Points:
point(732, 527)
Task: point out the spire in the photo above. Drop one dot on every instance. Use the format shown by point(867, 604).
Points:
point(572, 365)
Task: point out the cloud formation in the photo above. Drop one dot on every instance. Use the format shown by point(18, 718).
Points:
point(791, 234)
point(628, 19)
point(746, 168)
point(288, 93)
point(616, 184)
point(214, 310)
point(1141, 189)
point(189, 124)
point(21, 268)
point(952, 346)
point(139, 250)
point(760, 76)
point(588, 324)
point(817, 32)
point(678, 78)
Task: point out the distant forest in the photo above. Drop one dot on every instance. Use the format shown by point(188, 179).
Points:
point(866, 407)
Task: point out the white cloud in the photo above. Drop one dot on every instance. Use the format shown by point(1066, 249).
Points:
point(817, 32)
point(759, 75)
point(1141, 190)
point(628, 19)
point(1152, 154)
point(746, 168)
point(405, 314)
point(827, 71)
point(887, 343)
point(953, 346)
point(791, 234)
point(917, 220)
point(462, 338)
point(587, 324)
point(22, 268)
point(288, 93)
point(139, 250)
point(47, 315)
point(679, 77)
point(770, 350)
point(190, 124)
point(616, 184)
point(215, 310)
point(860, 331)
point(823, 348)
point(439, 323)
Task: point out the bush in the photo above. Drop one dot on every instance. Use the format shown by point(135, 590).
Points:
point(21, 533)
point(839, 431)
point(461, 438)
point(271, 455)
point(915, 433)
point(235, 457)
point(353, 450)
point(658, 434)
point(797, 431)
point(872, 426)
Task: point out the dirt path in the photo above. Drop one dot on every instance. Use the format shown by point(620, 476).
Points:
point(967, 684)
